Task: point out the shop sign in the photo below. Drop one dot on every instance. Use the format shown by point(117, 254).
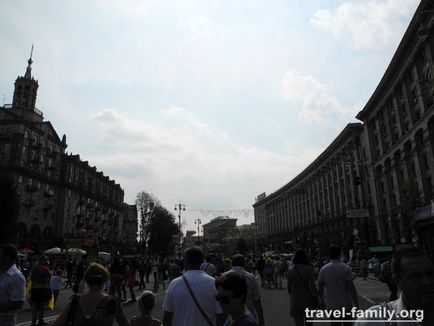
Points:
point(360, 212)
point(424, 212)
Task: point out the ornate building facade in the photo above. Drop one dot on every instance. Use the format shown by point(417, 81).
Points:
point(63, 200)
point(374, 183)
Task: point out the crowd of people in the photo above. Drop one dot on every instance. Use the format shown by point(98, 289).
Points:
point(207, 290)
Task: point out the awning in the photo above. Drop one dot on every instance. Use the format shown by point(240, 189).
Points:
point(380, 249)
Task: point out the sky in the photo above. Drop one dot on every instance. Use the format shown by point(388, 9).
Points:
point(207, 103)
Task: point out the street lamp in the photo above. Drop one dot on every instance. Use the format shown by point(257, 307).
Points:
point(179, 207)
point(198, 221)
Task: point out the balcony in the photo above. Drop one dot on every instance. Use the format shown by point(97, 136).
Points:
point(49, 193)
point(29, 203)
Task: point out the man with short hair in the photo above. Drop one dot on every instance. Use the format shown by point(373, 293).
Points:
point(180, 309)
point(232, 293)
point(12, 285)
point(253, 298)
point(413, 272)
point(336, 287)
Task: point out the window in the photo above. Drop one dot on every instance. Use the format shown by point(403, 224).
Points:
point(24, 150)
point(20, 179)
point(26, 134)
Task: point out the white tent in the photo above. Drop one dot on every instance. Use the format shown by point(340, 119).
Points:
point(53, 251)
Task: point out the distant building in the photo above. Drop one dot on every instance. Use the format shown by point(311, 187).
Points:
point(63, 200)
point(215, 231)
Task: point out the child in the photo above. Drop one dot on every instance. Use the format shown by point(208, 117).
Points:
point(146, 304)
point(56, 284)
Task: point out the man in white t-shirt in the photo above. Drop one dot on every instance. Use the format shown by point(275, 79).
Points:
point(335, 283)
point(12, 285)
point(179, 306)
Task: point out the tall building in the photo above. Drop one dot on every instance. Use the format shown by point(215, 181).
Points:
point(374, 183)
point(63, 200)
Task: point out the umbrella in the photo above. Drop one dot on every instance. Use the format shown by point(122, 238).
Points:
point(77, 251)
point(55, 250)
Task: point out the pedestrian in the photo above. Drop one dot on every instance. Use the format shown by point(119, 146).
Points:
point(301, 288)
point(260, 265)
point(232, 294)
point(173, 270)
point(364, 267)
point(155, 263)
point(94, 307)
point(277, 273)
point(268, 272)
point(142, 272)
point(208, 267)
point(12, 285)
point(187, 293)
point(146, 304)
point(116, 276)
point(386, 277)
point(253, 297)
point(79, 272)
point(56, 284)
point(336, 287)
point(131, 280)
point(40, 292)
point(413, 272)
point(162, 272)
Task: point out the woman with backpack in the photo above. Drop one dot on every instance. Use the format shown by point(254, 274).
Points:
point(95, 307)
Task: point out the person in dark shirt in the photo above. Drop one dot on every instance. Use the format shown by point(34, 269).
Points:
point(40, 292)
point(232, 293)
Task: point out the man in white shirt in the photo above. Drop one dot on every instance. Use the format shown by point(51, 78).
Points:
point(12, 285)
point(179, 307)
point(335, 284)
point(253, 297)
point(413, 272)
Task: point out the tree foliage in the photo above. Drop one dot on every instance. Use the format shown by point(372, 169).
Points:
point(145, 203)
point(162, 230)
point(9, 209)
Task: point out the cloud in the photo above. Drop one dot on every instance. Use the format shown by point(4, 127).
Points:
point(369, 24)
point(188, 159)
point(312, 101)
point(199, 26)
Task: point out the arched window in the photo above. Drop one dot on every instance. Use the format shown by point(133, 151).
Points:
point(35, 232)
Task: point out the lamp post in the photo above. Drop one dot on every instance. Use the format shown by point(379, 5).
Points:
point(198, 221)
point(179, 207)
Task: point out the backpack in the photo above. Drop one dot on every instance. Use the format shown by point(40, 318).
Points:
point(103, 315)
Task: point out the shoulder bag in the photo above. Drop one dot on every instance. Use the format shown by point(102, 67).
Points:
point(196, 302)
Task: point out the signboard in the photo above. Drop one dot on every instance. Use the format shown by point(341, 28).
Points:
point(261, 196)
point(359, 212)
point(424, 212)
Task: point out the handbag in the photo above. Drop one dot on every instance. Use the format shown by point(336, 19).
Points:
point(196, 302)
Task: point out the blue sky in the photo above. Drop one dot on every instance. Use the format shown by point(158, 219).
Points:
point(207, 102)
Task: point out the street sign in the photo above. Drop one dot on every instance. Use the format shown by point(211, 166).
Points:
point(359, 212)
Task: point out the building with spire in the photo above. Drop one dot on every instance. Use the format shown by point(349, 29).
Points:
point(63, 200)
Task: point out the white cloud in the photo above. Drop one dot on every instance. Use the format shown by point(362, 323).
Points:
point(369, 24)
point(312, 100)
point(171, 161)
point(199, 26)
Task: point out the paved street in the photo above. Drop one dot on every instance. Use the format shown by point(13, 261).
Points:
point(275, 303)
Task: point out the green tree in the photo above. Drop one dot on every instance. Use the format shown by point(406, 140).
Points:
point(9, 209)
point(145, 203)
point(162, 229)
